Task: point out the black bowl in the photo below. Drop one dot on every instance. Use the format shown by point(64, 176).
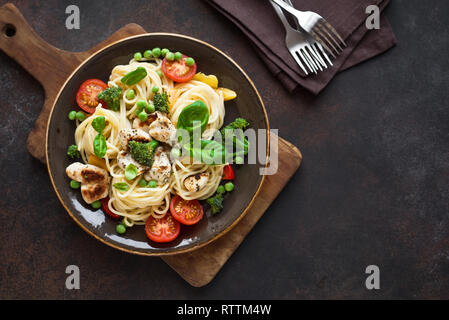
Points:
point(60, 134)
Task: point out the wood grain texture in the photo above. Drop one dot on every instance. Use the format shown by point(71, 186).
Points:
point(47, 64)
point(38, 57)
point(200, 266)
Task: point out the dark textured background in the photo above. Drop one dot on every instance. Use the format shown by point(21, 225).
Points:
point(373, 188)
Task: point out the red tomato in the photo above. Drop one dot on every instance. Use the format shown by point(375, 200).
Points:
point(178, 71)
point(187, 212)
point(162, 230)
point(87, 94)
point(228, 172)
point(104, 204)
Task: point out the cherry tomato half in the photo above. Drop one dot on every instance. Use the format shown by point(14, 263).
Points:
point(228, 172)
point(162, 230)
point(86, 96)
point(187, 212)
point(178, 71)
point(104, 204)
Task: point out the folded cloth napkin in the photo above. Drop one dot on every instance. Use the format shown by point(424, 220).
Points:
point(259, 22)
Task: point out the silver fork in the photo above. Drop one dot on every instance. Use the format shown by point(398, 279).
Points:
point(302, 46)
point(317, 27)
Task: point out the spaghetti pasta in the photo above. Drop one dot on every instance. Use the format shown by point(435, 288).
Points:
point(130, 195)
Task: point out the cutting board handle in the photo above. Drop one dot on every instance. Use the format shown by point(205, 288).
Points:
point(47, 64)
point(19, 41)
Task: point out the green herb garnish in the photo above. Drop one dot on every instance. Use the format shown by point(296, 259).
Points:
point(131, 172)
point(99, 123)
point(133, 77)
point(121, 186)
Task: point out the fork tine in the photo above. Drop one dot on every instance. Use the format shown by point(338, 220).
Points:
point(323, 53)
point(326, 32)
point(312, 58)
point(299, 52)
point(323, 36)
point(323, 43)
point(325, 39)
point(317, 56)
point(298, 61)
point(332, 29)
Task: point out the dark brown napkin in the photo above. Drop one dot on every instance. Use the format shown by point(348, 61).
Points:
point(259, 22)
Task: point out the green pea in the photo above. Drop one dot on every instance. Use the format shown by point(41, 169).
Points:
point(190, 62)
point(170, 56)
point(75, 184)
point(143, 116)
point(121, 229)
point(141, 105)
point(96, 204)
point(137, 56)
point(178, 55)
point(80, 116)
point(155, 89)
point(152, 184)
point(143, 183)
point(156, 52)
point(176, 153)
point(160, 74)
point(130, 94)
point(164, 52)
point(221, 190)
point(239, 160)
point(148, 54)
point(229, 186)
point(72, 115)
point(150, 108)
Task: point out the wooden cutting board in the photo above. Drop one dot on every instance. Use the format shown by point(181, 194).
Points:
point(19, 41)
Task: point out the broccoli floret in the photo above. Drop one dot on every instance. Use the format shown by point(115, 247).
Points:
point(160, 102)
point(73, 152)
point(112, 97)
point(240, 143)
point(143, 152)
point(238, 123)
point(216, 203)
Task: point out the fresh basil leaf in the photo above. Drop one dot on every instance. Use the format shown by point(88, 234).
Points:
point(210, 152)
point(196, 112)
point(100, 146)
point(131, 172)
point(99, 123)
point(121, 186)
point(133, 77)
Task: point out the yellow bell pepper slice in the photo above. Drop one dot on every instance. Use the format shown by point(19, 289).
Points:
point(228, 94)
point(101, 163)
point(211, 80)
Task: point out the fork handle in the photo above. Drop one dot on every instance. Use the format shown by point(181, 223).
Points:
point(281, 15)
point(286, 7)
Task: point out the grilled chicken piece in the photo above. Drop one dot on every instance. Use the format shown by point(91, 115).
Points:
point(162, 129)
point(126, 135)
point(196, 182)
point(161, 168)
point(144, 126)
point(94, 180)
point(124, 159)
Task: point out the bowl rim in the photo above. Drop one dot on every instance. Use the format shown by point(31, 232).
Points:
point(199, 245)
